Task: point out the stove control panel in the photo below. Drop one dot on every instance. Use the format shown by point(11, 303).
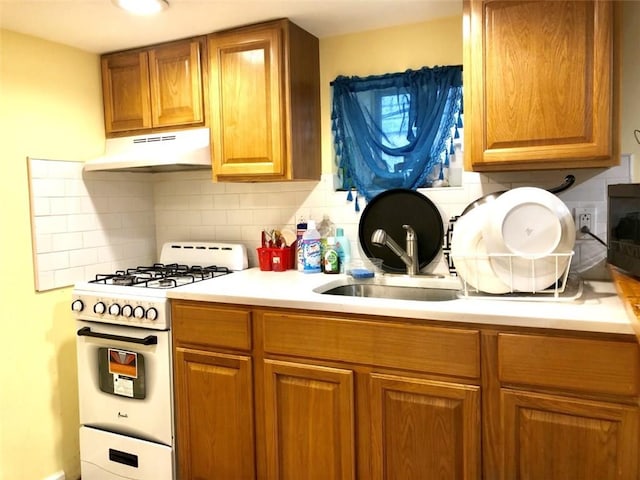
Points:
point(133, 311)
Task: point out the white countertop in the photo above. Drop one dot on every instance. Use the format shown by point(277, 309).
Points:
point(598, 309)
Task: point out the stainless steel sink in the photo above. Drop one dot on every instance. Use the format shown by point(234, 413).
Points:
point(426, 289)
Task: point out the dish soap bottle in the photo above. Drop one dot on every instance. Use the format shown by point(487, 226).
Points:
point(311, 254)
point(331, 259)
point(344, 249)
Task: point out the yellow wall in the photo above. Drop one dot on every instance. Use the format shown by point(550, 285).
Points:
point(376, 52)
point(50, 107)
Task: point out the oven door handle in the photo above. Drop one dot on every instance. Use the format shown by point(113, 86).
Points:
point(148, 340)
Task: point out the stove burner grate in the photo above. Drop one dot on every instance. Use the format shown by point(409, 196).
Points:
point(161, 275)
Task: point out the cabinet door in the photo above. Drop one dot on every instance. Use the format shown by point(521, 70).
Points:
point(125, 89)
point(247, 111)
point(309, 422)
point(540, 84)
point(556, 438)
point(176, 84)
point(424, 429)
point(214, 410)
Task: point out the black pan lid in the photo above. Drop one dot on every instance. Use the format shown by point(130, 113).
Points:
point(390, 210)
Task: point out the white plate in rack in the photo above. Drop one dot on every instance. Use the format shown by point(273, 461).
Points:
point(469, 253)
point(530, 235)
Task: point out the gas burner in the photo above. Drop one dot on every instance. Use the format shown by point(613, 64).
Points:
point(123, 280)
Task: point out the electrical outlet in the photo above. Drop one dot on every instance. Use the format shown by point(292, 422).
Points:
point(585, 217)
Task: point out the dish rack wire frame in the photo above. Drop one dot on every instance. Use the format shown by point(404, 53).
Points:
point(556, 289)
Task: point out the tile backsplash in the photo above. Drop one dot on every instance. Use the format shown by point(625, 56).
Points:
point(188, 206)
point(83, 225)
point(99, 221)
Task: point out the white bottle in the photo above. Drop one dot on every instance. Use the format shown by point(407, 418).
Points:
point(311, 249)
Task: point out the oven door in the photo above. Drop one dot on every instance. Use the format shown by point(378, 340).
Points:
point(125, 380)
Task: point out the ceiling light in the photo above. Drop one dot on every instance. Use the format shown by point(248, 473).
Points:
point(142, 7)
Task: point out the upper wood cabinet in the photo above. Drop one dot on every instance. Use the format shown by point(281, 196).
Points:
point(265, 103)
point(156, 87)
point(541, 84)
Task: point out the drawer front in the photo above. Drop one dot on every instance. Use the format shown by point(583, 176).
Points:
point(597, 366)
point(454, 352)
point(197, 324)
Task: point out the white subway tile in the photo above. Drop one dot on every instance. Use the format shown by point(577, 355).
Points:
point(66, 241)
point(68, 276)
point(82, 257)
point(41, 206)
point(47, 187)
point(50, 224)
point(226, 201)
point(53, 260)
point(214, 217)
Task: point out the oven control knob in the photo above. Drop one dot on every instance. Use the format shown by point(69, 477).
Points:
point(77, 305)
point(152, 314)
point(127, 311)
point(99, 308)
point(114, 309)
point(138, 312)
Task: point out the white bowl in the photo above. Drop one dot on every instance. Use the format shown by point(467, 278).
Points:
point(469, 253)
point(530, 236)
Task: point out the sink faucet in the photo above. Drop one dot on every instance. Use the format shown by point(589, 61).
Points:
point(410, 256)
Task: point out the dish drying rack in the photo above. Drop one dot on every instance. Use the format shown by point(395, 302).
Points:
point(566, 287)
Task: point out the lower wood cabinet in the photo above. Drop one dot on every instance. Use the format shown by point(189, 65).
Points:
point(277, 394)
point(424, 429)
point(309, 421)
point(552, 437)
point(214, 406)
point(569, 406)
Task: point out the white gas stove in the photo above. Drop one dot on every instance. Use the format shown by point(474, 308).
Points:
point(124, 360)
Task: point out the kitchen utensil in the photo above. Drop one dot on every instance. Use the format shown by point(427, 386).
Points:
point(390, 210)
point(288, 236)
point(569, 180)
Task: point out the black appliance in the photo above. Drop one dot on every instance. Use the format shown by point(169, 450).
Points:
point(623, 227)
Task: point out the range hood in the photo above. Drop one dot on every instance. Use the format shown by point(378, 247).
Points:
point(157, 152)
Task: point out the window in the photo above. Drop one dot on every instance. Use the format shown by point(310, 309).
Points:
point(395, 130)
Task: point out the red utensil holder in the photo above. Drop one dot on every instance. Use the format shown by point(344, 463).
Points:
point(276, 259)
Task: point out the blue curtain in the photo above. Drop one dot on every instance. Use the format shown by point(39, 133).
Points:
point(395, 130)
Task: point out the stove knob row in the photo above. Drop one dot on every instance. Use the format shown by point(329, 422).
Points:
point(115, 309)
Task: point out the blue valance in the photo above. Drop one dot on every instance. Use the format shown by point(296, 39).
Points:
point(395, 130)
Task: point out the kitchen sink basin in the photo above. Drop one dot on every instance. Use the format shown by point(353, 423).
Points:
point(426, 289)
